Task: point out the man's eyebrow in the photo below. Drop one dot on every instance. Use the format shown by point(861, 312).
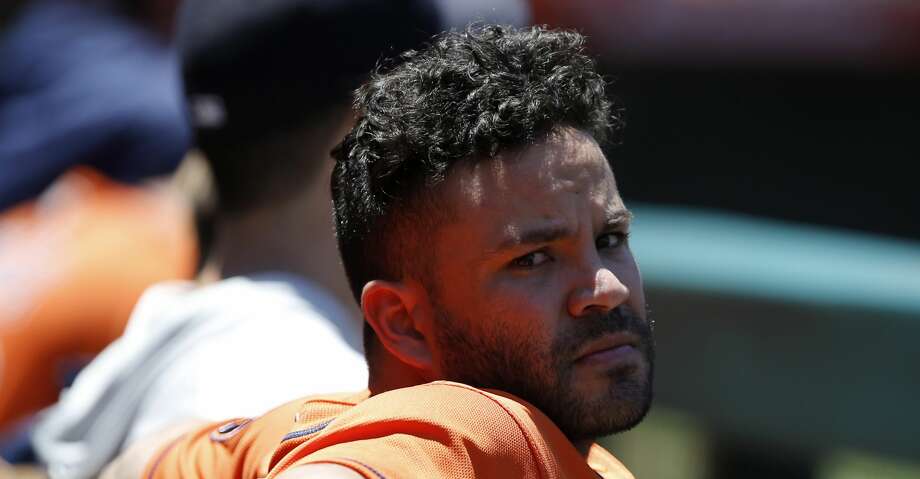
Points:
point(618, 217)
point(514, 238)
point(538, 235)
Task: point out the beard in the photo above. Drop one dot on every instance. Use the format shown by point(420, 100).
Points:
point(544, 376)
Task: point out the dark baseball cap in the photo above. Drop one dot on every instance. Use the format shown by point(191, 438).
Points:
point(253, 66)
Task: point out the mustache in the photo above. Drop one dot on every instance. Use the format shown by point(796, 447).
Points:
point(621, 319)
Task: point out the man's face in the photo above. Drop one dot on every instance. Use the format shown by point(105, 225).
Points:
point(536, 291)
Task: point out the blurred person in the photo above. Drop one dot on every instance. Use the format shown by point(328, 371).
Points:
point(72, 265)
point(484, 236)
point(89, 102)
point(268, 96)
point(88, 82)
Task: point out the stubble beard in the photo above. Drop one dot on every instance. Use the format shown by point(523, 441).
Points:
point(515, 364)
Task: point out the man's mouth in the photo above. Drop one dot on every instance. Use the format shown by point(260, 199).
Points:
point(611, 348)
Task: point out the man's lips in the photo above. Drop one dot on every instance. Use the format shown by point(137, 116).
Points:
point(612, 345)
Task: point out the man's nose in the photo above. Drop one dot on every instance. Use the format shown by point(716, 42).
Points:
point(602, 294)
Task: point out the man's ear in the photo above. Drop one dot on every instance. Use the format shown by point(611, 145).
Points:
point(391, 308)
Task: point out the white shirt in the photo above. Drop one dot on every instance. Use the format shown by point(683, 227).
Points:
point(236, 348)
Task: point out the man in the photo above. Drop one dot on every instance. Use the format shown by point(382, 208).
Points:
point(66, 296)
point(483, 233)
point(266, 115)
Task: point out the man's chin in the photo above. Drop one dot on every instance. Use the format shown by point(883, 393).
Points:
point(631, 416)
point(620, 408)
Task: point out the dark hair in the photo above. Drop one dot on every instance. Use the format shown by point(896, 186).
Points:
point(273, 74)
point(466, 97)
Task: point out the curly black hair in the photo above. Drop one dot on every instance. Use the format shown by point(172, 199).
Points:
point(465, 97)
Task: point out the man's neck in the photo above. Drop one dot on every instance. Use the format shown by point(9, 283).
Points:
point(269, 239)
point(294, 236)
point(389, 373)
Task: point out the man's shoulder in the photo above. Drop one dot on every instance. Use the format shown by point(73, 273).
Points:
point(448, 401)
point(440, 408)
point(438, 429)
point(491, 419)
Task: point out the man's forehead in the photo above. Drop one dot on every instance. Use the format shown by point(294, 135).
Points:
point(566, 160)
point(532, 188)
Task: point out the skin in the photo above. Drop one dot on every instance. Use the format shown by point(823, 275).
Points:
point(534, 259)
point(537, 270)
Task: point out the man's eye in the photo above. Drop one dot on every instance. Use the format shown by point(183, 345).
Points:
point(611, 240)
point(530, 260)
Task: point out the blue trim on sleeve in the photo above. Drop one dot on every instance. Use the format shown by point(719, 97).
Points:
point(306, 432)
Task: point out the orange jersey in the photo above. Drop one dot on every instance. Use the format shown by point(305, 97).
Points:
point(440, 429)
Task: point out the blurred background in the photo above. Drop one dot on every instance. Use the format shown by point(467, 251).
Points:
point(767, 158)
